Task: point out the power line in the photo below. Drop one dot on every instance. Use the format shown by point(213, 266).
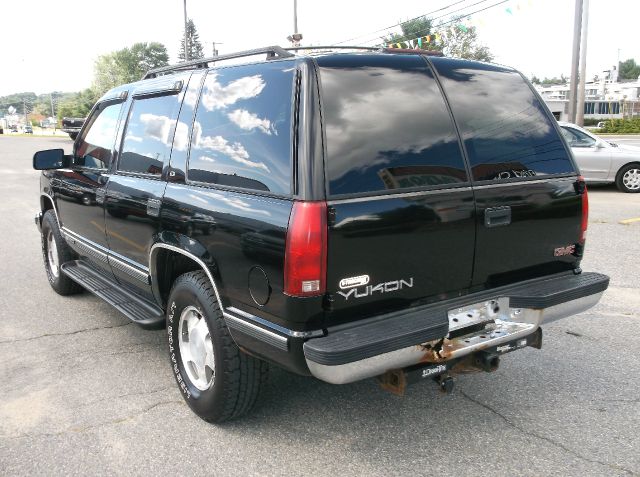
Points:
point(457, 19)
point(398, 24)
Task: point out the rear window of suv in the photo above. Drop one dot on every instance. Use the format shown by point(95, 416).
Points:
point(506, 131)
point(387, 126)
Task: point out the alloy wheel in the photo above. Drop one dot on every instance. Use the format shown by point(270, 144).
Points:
point(196, 348)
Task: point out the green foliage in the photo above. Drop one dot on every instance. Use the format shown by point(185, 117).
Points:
point(454, 39)
point(127, 65)
point(622, 126)
point(629, 69)
point(591, 121)
point(194, 47)
point(17, 100)
point(77, 105)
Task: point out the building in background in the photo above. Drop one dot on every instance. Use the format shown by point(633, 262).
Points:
point(605, 98)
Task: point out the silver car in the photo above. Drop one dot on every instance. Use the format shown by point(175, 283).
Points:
point(601, 161)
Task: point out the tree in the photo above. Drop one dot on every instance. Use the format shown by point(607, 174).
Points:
point(628, 69)
point(127, 65)
point(453, 38)
point(77, 105)
point(194, 47)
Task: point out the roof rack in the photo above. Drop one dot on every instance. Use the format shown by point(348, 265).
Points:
point(333, 47)
point(274, 52)
point(271, 51)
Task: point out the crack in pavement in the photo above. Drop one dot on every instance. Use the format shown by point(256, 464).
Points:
point(84, 330)
point(120, 396)
point(79, 430)
point(544, 438)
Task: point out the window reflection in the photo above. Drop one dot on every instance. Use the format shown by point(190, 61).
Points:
point(506, 131)
point(242, 133)
point(94, 149)
point(386, 125)
point(149, 134)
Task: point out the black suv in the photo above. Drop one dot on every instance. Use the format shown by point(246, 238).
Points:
point(341, 215)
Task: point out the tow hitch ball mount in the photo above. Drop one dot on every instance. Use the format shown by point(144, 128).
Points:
point(396, 381)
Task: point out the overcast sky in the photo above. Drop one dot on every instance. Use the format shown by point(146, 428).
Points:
point(50, 45)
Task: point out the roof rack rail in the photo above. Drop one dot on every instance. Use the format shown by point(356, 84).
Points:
point(381, 49)
point(334, 47)
point(271, 51)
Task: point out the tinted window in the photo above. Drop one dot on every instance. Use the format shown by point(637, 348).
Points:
point(505, 129)
point(242, 132)
point(386, 125)
point(94, 148)
point(149, 134)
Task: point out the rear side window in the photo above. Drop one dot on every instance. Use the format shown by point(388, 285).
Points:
point(242, 131)
point(149, 134)
point(94, 148)
point(506, 131)
point(386, 124)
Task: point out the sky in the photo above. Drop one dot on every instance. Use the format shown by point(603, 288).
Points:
point(52, 46)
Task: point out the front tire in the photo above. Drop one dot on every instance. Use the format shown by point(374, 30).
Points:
point(628, 179)
point(55, 252)
point(216, 379)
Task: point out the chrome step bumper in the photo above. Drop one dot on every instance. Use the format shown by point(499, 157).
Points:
point(515, 312)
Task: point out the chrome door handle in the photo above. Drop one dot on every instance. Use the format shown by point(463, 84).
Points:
point(153, 207)
point(497, 216)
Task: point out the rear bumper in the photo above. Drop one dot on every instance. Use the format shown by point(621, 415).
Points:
point(436, 334)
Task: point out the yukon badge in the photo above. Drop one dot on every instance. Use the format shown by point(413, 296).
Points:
point(357, 288)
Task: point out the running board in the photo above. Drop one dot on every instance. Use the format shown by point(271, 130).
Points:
point(137, 309)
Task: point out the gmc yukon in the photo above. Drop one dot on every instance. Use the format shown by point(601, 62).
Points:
point(374, 213)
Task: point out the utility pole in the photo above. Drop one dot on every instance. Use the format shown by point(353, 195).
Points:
point(186, 50)
point(575, 60)
point(24, 109)
point(296, 37)
point(215, 52)
point(583, 64)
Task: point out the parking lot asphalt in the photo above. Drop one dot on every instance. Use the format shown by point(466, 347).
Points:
point(84, 392)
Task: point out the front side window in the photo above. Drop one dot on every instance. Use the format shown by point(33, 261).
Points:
point(577, 138)
point(94, 148)
point(149, 134)
point(387, 126)
point(242, 130)
point(505, 128)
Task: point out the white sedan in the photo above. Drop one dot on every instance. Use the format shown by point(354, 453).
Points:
point(601, 161)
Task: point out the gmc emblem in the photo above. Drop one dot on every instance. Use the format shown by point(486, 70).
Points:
point(561, 251)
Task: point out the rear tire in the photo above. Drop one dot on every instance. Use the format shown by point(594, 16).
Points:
point(216, 379)
point(55, 252)
point(628, 178)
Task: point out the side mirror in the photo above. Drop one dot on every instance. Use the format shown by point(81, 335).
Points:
point(50, 159)
point(600, 145)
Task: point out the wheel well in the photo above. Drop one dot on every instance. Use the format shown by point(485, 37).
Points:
point(169, 266)
point(634, 163)
point(45, 203)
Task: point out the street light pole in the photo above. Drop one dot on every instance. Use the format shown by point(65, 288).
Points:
point(295, 16)
point(296, 37)
point(575, 61)
point(186, 51)
point(583, 64)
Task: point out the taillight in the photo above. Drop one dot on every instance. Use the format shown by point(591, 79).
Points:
point(585, 209)
point(305, 260)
